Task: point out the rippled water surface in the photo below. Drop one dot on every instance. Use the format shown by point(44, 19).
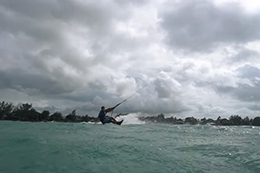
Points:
point(80, 147)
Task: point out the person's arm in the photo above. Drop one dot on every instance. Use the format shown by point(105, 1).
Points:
point(110, 109)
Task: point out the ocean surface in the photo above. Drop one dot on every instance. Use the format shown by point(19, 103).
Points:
point(51, 147)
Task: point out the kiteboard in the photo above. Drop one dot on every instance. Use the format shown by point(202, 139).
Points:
point(120, 122)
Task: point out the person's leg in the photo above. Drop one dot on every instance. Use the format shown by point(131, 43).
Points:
point(106, 120)
point(113, 120)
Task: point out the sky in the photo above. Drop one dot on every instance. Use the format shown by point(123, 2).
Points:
point(177, 57)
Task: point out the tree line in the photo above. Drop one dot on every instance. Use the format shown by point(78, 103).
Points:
point(26, 112)
point(232, 120)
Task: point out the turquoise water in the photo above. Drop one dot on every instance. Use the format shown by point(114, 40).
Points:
point(130, 148)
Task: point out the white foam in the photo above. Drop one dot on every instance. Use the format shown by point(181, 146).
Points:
point(131, 118)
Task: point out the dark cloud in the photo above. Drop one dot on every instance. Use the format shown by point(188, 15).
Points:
point(202, 26)
point(243, 92)
point(72, 54)
point(245, 55)
point(248, 86)
point(255, 107)
point(28, 82)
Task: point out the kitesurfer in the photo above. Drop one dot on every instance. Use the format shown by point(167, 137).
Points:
point(106, 119)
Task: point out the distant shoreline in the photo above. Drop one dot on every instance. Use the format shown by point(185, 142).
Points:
point(25, 112)
point(234, 120)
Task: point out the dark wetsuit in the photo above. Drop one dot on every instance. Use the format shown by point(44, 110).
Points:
point(103, 118)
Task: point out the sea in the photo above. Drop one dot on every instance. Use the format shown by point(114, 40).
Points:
point(133, 147)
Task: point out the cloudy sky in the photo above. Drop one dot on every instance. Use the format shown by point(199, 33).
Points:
point(181, 58)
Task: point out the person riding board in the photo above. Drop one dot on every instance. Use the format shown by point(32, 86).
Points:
point(106, 119)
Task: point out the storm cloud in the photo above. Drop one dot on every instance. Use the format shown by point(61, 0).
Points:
point(202, 25)
point(181, 58)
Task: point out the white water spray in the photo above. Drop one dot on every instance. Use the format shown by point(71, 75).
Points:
point(131, 118)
